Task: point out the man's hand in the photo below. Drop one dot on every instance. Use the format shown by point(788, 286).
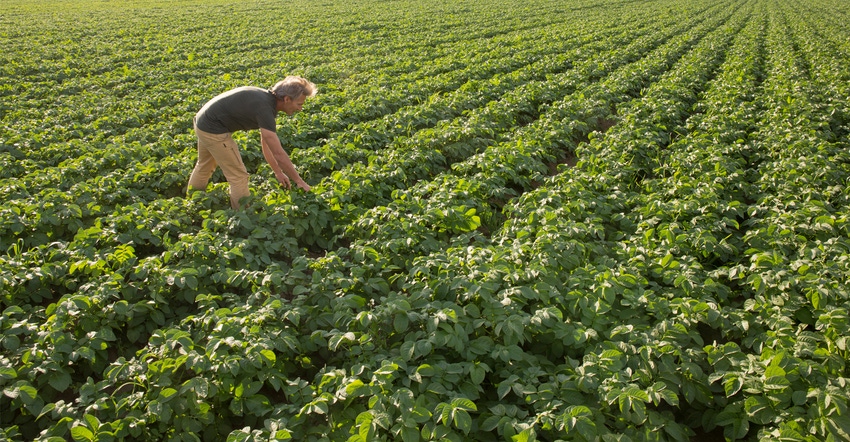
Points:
point(304, 186)
point(284, 180)
point(287, 183)
point(279, 161)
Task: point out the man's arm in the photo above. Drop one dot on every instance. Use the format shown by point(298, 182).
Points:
point(278, 159)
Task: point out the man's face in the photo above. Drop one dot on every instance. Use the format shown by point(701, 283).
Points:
point(290, 106)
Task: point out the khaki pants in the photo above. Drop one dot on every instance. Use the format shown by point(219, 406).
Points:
point(220, 150)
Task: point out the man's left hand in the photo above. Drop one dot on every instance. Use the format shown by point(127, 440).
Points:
point(303, 185)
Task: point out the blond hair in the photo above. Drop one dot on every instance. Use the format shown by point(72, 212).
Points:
point(293, 87)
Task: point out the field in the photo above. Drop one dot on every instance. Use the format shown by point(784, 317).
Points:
point(576, 220)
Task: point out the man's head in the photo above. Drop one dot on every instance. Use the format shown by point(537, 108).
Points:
point(291, 93)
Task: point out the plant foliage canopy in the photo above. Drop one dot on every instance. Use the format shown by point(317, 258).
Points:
point(537, 220)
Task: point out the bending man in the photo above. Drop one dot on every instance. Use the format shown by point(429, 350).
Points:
point(247, 108)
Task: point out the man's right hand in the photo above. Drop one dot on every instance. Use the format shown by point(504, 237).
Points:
point(283, 179)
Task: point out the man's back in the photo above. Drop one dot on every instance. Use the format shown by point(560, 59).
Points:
point(243, 108)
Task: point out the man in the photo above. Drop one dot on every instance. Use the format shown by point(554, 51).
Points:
point(247, 108)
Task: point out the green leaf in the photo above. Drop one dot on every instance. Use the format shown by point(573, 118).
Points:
point(7, 373)
point(92, 421)
point(11, 342)
point(24, 391)
point(353, 387)
point(671, 397)
point(166, 394)
point(816, 299)
point(409, 434)
point(580, 420)
point(774, 371)
point(243, 435)
point(759, 410)
point(247, 388)
point(425, 370)
point(258, 405)
point(503, 389)
point(477, 372)
point(364, 424)
point(269, 356)
point(463, 403)
point(80, 433)
point(732, 385)
point(462, 420)
point(401, 322)
point(491, 423)
point(740, 427)
point(337, 340)
point(420, 414)
point(675, 432)
point(283, 435)
point(839, 425)
point(639, 412)
point(527, 435)
point(46, 409)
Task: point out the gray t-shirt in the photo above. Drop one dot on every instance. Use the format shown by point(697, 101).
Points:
point(243, 108)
